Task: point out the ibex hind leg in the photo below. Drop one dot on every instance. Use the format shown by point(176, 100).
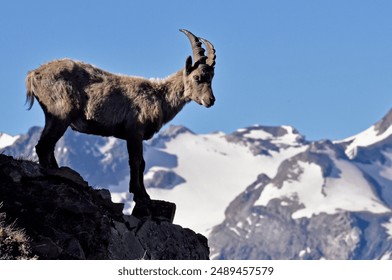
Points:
point(54, 129)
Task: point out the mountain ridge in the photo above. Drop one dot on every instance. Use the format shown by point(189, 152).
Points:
point(303, 183)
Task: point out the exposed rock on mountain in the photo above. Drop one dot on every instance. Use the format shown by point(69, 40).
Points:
point(318, 206)
point(64, 218)
point(258, 192)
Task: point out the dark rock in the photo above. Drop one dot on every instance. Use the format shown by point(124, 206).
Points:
point(155, 209)
point(164, 243)
point(164, 179)
point(67, 174)
point(64, 218)
point(46, 248)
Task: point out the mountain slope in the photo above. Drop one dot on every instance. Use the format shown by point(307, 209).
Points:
point(379, 132)
point(214, 168)
point(258, 185)
point(332, 201)
point(319, 205)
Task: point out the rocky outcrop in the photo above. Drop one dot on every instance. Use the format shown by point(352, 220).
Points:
point(64, 218)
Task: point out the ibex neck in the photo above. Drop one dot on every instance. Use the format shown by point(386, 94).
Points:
point(173, 96)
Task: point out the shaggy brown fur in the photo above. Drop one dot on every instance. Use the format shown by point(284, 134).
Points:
point(90, 100)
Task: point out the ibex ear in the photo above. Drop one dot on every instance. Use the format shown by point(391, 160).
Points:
point(188, 65)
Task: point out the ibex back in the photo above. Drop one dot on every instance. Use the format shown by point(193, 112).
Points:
point(93, 101)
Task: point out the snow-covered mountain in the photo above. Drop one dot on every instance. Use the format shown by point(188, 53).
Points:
point(260, 192)
point(7, 140)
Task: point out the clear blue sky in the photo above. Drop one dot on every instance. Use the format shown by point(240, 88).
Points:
point(324, 67)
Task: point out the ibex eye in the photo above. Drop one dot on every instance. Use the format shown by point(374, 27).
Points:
point(196, 78)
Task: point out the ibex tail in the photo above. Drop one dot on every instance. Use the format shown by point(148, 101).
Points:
point(30, 90)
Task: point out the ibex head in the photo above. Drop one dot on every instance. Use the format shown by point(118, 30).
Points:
point(198, 75)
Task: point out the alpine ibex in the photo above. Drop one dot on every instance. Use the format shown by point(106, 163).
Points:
point(90, 100)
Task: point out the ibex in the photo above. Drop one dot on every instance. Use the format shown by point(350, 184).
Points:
point(90, 100)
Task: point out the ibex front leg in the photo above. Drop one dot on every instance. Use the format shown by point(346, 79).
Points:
point(137, 165)
point(145, 207)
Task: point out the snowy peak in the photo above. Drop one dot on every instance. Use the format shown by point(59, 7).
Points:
point(377, 133)
point(320, 204)
point(7, 140)
point(266, 140)
point(24, 146)
point(322, 180)
point(282, 134)
point(172, 132)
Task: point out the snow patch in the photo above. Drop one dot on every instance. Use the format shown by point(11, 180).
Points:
point(105, 149)
point(258, 134)
point(289, 138)
point(387, 256)
point(215, 255)
point(388, 228)
point(363, 139)
point(350, 192)
point(240, 225)
point(203, 161)
point(233, 229)
point(302, 253)
point(126, 198)
point(216, 171)
point(7, 140)
point(108, 145)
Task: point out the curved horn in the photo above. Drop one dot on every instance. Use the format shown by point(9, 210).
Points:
point(210, 52)
point(198, 51)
